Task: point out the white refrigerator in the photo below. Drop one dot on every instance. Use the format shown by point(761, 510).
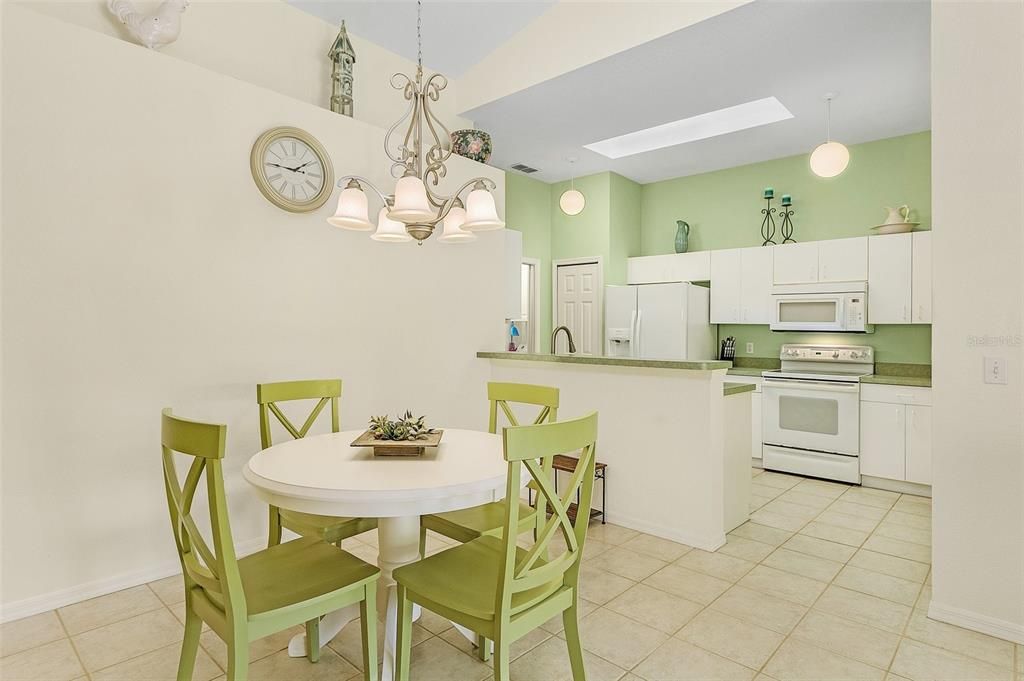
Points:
point(659, 321)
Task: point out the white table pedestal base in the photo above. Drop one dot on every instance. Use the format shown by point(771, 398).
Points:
point(398, 544)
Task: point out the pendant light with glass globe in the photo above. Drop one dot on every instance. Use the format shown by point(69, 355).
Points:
point(572, 201)
point(415, 209)
point(831, 158)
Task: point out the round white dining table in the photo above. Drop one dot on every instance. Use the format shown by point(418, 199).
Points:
point(324, 474)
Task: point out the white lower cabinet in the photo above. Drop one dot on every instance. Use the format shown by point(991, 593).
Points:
point(756, 417)
point(755, 426)
point(883, 440)
point(896, 433)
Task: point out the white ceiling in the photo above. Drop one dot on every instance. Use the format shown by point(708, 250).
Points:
point(875, 55)
point(456, 35)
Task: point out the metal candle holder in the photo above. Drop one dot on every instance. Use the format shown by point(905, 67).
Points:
point(768, 223)
point(787, 220)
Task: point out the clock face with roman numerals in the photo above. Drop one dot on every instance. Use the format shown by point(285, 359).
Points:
point(292, 170)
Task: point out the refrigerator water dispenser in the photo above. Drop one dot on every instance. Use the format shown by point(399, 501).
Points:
point(619, 342)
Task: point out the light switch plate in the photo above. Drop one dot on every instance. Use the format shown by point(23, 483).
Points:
point(995, 370)
point(750, 348)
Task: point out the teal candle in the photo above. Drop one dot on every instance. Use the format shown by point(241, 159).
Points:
point(787, 200)
point(769, 192)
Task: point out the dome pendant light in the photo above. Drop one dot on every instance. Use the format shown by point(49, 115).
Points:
point(831, 158)
point(572, 201)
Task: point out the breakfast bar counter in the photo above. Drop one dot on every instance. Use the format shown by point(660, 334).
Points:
point(662, 434)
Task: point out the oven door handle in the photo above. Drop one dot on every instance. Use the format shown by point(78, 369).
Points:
point(818, 386)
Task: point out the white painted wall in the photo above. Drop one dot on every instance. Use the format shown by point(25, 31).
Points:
point(142, 268)
point(978, 253)
point(661, 432)
point(271, 44)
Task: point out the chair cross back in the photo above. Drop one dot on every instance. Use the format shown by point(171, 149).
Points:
point(215, 570)
point(528, 447)
point(268, 395)
point(502, 394)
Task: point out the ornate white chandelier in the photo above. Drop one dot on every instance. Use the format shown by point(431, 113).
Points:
point(415, 209)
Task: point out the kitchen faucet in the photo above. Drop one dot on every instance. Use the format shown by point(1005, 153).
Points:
point(568, 335)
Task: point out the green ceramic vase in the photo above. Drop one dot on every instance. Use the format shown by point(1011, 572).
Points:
point(682, 236)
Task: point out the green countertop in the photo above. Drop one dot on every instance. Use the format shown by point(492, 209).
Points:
point(737, 388)
point(915, 381)
point(706, 365)
point(745, 371)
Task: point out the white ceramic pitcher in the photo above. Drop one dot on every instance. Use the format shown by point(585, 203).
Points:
point(897, 215)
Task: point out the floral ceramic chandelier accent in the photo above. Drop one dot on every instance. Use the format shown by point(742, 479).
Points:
point(415, 209)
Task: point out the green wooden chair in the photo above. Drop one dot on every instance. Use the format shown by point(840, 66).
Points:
point(330, 529)
point(468, 524)
point(496, 588)
point(263, 593)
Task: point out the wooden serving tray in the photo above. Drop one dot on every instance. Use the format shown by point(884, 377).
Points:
point(398, 447)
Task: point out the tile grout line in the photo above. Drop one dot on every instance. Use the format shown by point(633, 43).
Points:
point(830, 583)
point(827, 585)
point(809, 608)
point(74, 648)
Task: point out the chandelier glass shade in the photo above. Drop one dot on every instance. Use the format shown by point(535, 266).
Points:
point(418, 156)
point(353, 210)
point(453, 222)
point(389, 230)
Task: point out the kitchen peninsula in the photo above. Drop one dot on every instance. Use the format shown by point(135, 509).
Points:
point(674, 471)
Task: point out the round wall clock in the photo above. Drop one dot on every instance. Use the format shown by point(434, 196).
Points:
point(292, 169)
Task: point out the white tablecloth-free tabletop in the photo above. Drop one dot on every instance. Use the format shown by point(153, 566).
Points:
point(323, 474)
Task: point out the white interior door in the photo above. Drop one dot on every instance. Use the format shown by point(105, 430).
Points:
point(578, 307)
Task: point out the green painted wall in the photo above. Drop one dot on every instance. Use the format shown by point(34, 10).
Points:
point(624, 219)
point(624, 222)
point(586, 234)
point(528, 210)
point(723, 207)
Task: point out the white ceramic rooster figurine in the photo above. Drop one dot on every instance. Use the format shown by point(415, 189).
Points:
point(152, 30)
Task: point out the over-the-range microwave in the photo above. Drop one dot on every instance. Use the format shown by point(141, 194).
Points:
point(835, 306)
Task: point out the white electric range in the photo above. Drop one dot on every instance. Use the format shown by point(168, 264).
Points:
point(811, 410)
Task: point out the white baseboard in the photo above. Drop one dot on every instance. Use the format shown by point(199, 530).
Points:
point(101, 587)
point(707, 543)
point(896, 486)
point(1009, 631)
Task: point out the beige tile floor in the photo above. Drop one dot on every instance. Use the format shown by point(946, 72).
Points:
point(827, 581)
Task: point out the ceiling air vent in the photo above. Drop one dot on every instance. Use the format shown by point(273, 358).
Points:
point(523, 168)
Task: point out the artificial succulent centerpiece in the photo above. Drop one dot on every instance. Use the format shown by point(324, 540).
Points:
point(407, 435)
point(404, 428)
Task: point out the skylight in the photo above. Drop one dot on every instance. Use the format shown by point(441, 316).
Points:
point(702, 126)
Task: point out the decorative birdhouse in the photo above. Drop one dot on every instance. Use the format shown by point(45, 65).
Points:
point(343, 59)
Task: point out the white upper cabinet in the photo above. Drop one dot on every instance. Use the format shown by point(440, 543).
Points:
point(726, 286)
point(821, 261)
point(843, 259)
point(921, 275)
point(658, 269)
point(756, 285)
point(897, 268)
point(795, 263)
point(741, 286)
point(889, 279)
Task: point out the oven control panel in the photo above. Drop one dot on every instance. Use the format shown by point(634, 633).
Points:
point(828, 353)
